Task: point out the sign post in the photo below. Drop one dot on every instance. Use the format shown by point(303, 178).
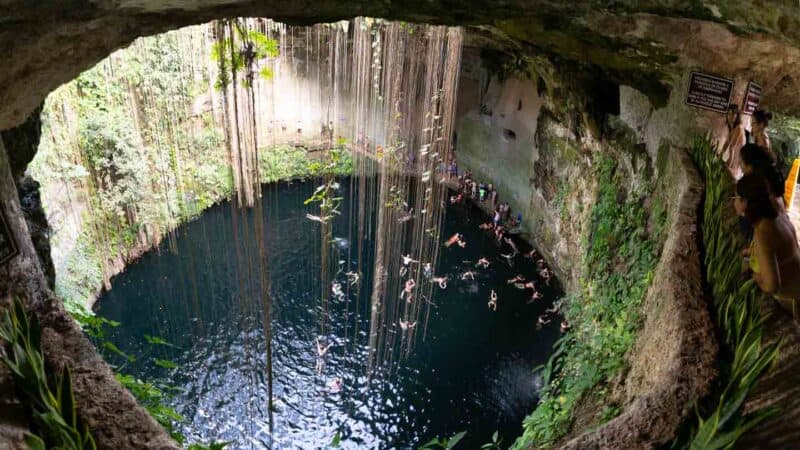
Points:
point(752, 97)
point(709, 92)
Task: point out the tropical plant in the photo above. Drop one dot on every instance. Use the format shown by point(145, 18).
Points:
point(444, 443)
point(722, 420)
point(621, 256)
point(50, 397)
point(495, 444)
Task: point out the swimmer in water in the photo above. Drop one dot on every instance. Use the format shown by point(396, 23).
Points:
point(407, 261)
point(541, 322)
point(323, 219)
point(532, 254)
point(427, 270)
point(513, 246)
point(483, 263)
point(509, 258)
point(407, 326)
point(410, 284)
point(441, 280)
point(352, 277)
point(517, 279)
point(462, 243)
point(564, 326)
point(453, 239)
point(468, 275)
point(335, 385)
point(528, 285)
point(322, 350)
point(336, 288)
point(406, 217)
point(493, 300)
point(535, 296)
point(545, 273)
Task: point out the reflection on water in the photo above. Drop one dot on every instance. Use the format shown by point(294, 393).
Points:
point(472, 372)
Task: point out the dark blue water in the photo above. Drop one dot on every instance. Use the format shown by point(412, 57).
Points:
point(473, 372)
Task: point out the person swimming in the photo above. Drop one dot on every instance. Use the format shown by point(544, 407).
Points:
point(352, 277)
point(407, 290)
point(509, 257)
point(322, 219)
point(541, 322)
point(493, 300)
point(322, 350)
point(531, 254)
point(427, 270)
point(336, 288)
point(510, 242)
point(483, 263)
point(453, 239)
point(527, 285)
point(407, 326)
point(468, 275)
point(535, 296)
point(406, 216)
point(545, 274)
point(517, 279)
point(335, 385)
point(442, 281)
point(462, 243)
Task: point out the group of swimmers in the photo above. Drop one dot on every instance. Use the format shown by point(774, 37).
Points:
point(484, 193)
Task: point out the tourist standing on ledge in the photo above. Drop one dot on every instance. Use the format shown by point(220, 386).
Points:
point(758, 133)
point(774, 254)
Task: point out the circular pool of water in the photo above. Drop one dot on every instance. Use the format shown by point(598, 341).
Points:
point(473, 371)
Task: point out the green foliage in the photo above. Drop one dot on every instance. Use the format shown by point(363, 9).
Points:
point(336, 441)
point(618, 268)
point(722, 420)
point(443, 443)
point(50, 398)
point(236, 55)
point(495, 444)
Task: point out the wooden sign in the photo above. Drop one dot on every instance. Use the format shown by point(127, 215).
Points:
point(752, 97)
point(7, 247)
point(709, 92)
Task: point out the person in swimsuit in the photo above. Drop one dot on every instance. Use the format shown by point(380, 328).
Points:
point(468, 275)
point(410, 284)
point(322, 350)
point(442, 281)
point(406, 325)
point(493, 300)
point(517, 279)
point(453, 239)
point(774, 256)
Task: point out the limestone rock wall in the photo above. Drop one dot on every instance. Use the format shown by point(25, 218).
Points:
point(546, 174)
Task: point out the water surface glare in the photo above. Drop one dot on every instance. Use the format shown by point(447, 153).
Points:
point(473, 371)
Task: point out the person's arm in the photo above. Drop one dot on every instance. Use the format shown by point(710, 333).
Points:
point(768, 277)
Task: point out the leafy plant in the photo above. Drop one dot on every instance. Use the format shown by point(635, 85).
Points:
point(495, 444)
point(444, 443)
point(618, 267)
point(721, 420)
point(50, 398)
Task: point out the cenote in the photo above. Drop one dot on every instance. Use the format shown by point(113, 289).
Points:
point(472, 371)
